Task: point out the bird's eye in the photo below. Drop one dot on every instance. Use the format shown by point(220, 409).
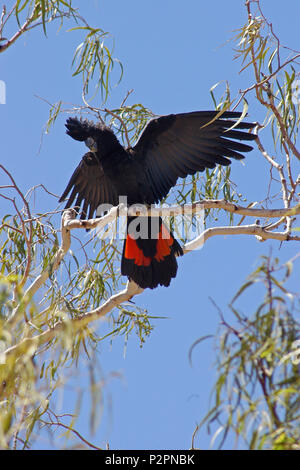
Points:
point(91, 144)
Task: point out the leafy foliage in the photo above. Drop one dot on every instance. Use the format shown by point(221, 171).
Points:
point(256, 395)
point(93, 58)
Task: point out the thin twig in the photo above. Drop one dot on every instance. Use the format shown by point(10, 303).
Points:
point(122, 123)
point(28, 239)
point(270, 103)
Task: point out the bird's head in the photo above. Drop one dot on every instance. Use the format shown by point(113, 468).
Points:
point(97, 137)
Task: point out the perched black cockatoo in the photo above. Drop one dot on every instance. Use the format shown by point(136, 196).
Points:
point(169, 147)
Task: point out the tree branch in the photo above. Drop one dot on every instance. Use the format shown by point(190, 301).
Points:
point(260, 232)
point(269, 104)
point(132, 289)
point(33, 343)
point(42, 278)
point(21, 31)
point(186, 209)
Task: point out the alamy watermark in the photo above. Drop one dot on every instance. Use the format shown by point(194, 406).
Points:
point(2, 92)
point(182, 222)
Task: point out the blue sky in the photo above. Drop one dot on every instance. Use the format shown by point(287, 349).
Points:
point(172, 53)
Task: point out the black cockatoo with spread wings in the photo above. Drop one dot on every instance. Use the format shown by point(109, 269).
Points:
point(170, 147)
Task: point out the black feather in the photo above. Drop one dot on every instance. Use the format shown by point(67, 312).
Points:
point(169, 147)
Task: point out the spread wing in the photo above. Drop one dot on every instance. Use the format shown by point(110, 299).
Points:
point(90, 186)
point(178, 145)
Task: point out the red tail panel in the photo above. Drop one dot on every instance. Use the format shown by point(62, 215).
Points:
point(132, 251)
point(164, 243)
point(159, 267)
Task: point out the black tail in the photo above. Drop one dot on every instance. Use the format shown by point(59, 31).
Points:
point(149, 252)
